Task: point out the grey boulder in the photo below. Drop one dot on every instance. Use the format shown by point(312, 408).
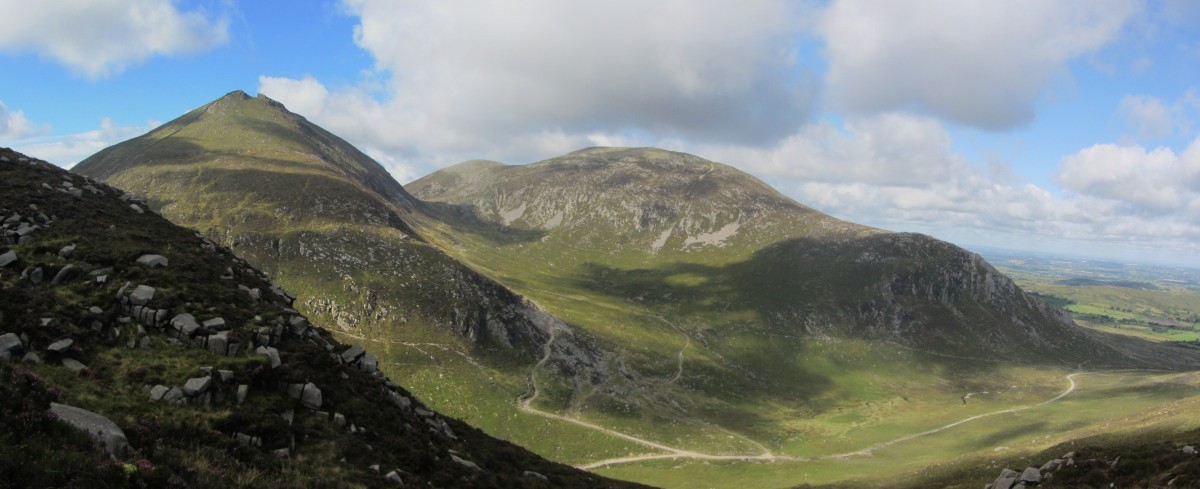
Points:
point(7, 258)
point(152, 261)
point(197, 385)
point(9, 342)
point(141, 295)
point(103, 430)
point(60, 346)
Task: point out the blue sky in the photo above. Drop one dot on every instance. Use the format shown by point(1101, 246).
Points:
point(1065, 126)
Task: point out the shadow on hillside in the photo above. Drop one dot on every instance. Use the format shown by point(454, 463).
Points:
point(908, 290)
point(465, 218)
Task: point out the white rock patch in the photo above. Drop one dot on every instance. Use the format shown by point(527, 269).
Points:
point(715, 238)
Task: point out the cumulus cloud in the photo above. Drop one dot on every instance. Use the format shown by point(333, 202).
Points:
point(514, 79)
point(979, 63)
point(99, 38)
point(900, 171)
point(67, 150)
point(14, 124)
point(896, 149)
point(1155, 182)
point(1149, 117)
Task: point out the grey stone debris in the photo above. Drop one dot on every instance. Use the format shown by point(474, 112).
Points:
point(100, 428)
point(535, 475)
point(465, 463)
point(1190, 450)
point(282, 452)
point(339, 419)
point(214, 324)
point(73, 365)
point(226, 375)
point(218, 344)
point(185, 324)
point(1069, 455)
point(63, 274)
point(1004, 483)
point(271, 353)
point(157, 392)
point(35, 277)
point(255, 294)
point(242, 390)
point(352, 354)
point(95, 311)
point(9, 342)
point(7, 258)
point(152, 261)
point(141, 295)
point(136, 208)
point(399, 400)
point(75, 192)
point(32, 358)
point(1052, 465)
point(197, 385)
point(369, 363)
point(392, 477)
point(1031, 474)
point(289, 416)
point(60, 346)
point(66, 251)
point(308, 394)
point(173, 395)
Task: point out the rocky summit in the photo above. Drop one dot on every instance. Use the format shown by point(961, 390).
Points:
point(137, 353)
point(692, 238)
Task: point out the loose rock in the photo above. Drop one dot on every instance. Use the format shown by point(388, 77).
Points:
point(101, 429)
point(152, 261)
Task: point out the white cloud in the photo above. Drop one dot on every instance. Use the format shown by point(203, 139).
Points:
point(978, 63)
point(1148, 116)
point(67, 150)
point(99, 38)
point(1157, 182)
point(515, 79)
point(899, 171)
point(14, 124)
point(889, 149)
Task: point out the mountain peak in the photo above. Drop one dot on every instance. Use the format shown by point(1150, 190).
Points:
point(236, 95)
point(249, 134)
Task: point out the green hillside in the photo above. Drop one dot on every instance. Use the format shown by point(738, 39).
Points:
point(631, 310)
point(190, 368)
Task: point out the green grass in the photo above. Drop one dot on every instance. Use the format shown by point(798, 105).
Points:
point(1134, 403)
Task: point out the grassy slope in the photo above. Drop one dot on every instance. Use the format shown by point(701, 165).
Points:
point(247, 174)
point(748, 367)
point(190, 445)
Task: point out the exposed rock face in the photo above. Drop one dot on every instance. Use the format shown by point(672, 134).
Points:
point(751, 249)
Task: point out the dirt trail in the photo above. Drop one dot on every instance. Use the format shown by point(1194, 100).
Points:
point(676, 453)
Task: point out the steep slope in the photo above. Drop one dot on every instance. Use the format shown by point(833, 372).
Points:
point(688, 236)
point(190, 367)
point(320, 217)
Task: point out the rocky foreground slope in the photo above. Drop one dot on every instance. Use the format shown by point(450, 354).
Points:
point(139, 353)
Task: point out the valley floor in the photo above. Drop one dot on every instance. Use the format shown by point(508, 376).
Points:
point(988, 428)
